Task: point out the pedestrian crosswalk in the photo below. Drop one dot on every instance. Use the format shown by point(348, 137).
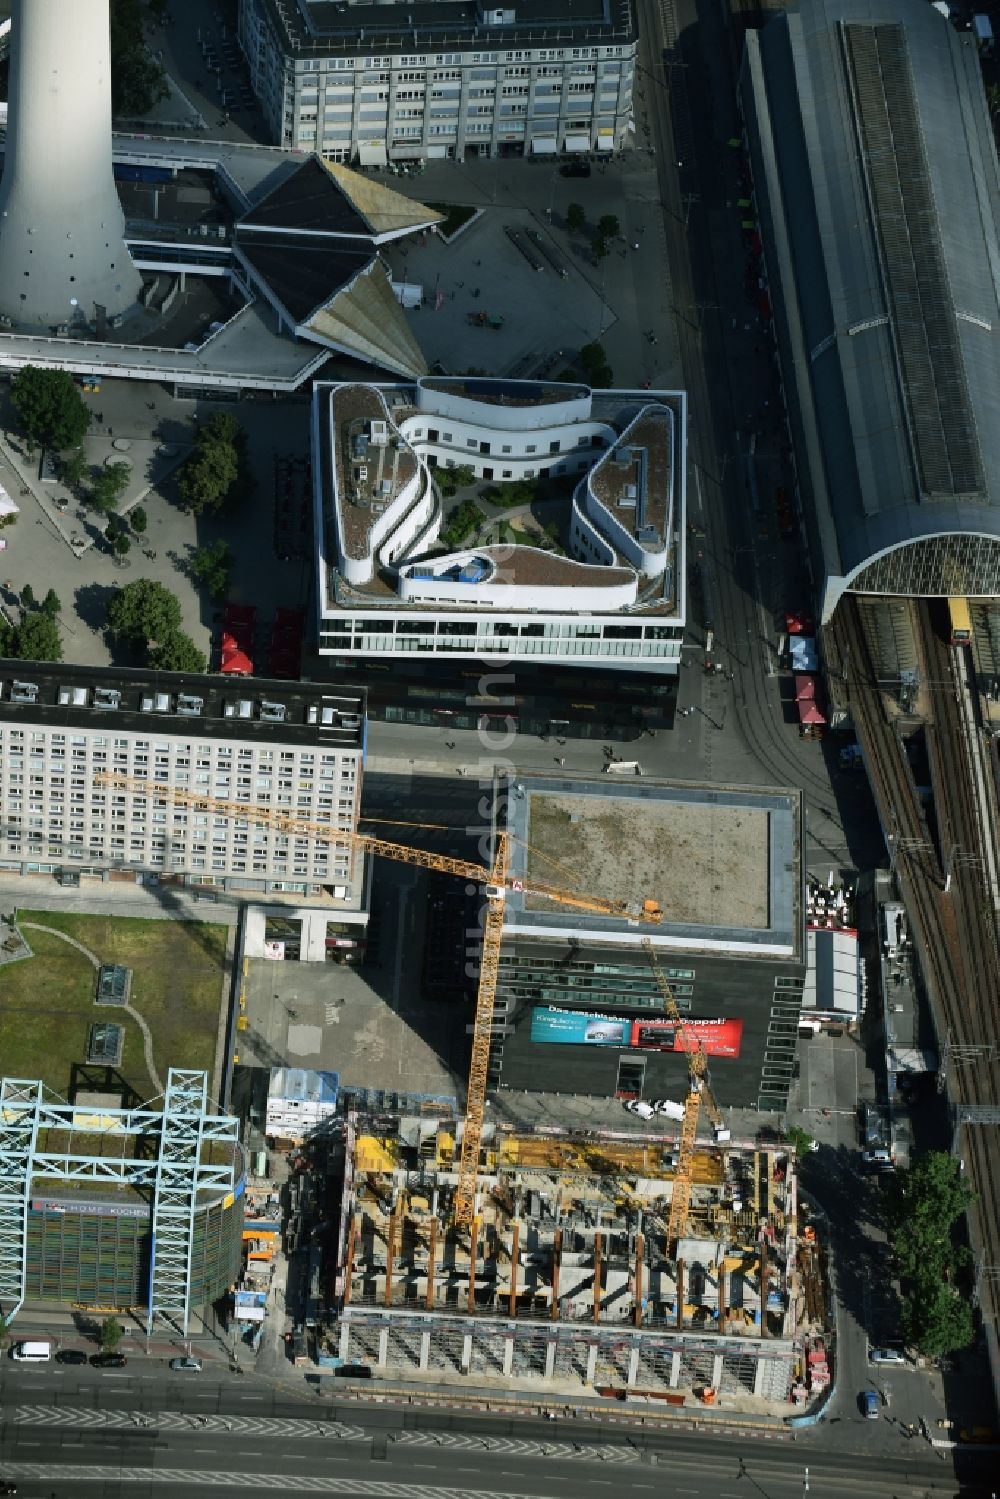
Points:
point(514, 1447)
point(264, 1426)
point(196, 1480)
point(302, 1429)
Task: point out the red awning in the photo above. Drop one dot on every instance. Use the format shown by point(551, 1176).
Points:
point(805, 688)
point(236, 663)
point(809, 713)
point(799, 624)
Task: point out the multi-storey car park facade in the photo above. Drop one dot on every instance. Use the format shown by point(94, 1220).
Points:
point(444, 78)
point(137, 1208)
point(294, 748)
point(389, 587)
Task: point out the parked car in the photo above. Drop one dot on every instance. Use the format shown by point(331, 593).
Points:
point(186, 1364)
point(353, 1371)
point(641, 1107)
point(71, 1356)
point(667, 1107)
point(869, 1405)
point(575, 169)
point(885, 1356)
point(8, 1488)
point(108, 1360)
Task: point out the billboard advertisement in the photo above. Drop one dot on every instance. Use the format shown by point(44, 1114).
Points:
point(577, 1028)
point(719, 1038)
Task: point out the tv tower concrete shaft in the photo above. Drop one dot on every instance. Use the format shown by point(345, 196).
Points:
point(62, 250)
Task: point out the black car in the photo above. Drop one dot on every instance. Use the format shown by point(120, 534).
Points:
point(575, 169)
point(71, 1356)
point(108, 1360)
point(353, 1371)
point(8, 1488)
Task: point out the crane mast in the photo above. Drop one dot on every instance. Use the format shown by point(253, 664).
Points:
point(496, 880)
point(699, 1096)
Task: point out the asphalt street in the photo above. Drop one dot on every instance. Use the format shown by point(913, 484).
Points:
point(130, 1431)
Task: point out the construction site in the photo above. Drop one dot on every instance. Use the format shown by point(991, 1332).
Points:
point(600, 1263)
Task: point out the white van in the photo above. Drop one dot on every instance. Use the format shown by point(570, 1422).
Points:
point(31, 1353)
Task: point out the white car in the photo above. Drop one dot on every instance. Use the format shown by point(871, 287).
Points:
point(641, 1107)
point(187, 1365)
point(885, 1356)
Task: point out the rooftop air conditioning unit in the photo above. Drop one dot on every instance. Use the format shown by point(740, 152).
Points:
point(273, 712)
point(379, 433)
point(107, 697)
point(24, 692)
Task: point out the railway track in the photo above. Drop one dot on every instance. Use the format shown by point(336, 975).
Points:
point(952, 930)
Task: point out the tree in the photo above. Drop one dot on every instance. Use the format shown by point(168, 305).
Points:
point(594, 363)
point(28, 600)
point(121, 543)
point(217, 465)
point(463, 474)
point(600, 248)
point(137, 520)
point(799, 1139)
point(576, 217)
point(137, 81)
point(73, 468)
point(109, 486)
point(925, 1204)
point(608, 226)
point(144, 612)
point(927, 1200)
point(37, 638)
point(50, 409)
point(176, 652)
point(210, 566)
point(51, 604)
point(936, 1319)
point(112, 1333)
point(6, 637)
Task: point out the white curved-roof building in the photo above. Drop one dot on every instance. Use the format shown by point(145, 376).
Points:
point(399, 572)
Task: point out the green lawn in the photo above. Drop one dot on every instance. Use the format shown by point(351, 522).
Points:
point(47, 1001)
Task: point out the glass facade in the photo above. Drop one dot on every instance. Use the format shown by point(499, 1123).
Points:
point(965, 565)
point(593, 984)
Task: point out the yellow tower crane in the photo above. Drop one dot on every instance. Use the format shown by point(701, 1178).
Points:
point(496, 880)
point(699, 1095)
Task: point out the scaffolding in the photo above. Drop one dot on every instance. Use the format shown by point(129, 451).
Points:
point(178, 1158)
point(20, 1105)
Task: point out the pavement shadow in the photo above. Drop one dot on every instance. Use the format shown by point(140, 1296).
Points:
point(91, 601)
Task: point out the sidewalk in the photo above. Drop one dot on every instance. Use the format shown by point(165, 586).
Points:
point(97, 898)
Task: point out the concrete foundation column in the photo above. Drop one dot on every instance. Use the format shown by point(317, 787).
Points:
point(508, 1357)
point(425, 1349)
point(467, 1353)
point(550, 1360)
point(633, 1366)
point(758, 1377)
point(383, 1347)
point(345, 1341)
point(591, 1362)
point(675, 1370)
point(717, 1370)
